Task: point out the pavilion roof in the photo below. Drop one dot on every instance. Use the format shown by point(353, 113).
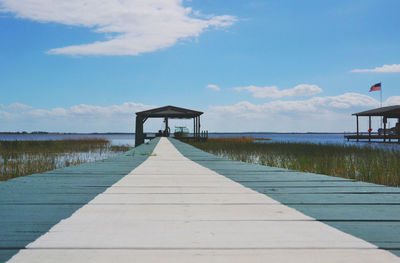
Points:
point(170, 112)
point(388, 112)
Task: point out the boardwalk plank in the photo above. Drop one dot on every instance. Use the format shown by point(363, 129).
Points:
point(211, 210)
point(365, 210)
point(31, 205)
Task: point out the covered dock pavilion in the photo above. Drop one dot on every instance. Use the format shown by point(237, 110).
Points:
point(386, 134)
point(166, 112)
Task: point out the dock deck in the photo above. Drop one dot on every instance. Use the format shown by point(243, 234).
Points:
point(168, 201)
point(374, 138)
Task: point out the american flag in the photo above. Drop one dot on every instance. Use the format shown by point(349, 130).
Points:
point(376, 87)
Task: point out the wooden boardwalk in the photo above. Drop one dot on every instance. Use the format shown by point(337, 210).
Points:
point(179, 204)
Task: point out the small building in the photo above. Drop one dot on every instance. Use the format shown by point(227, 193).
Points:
point(166, 113)
point(386, 134)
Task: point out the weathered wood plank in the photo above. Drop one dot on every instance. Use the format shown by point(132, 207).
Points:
point(367, 211)
point(31, 205)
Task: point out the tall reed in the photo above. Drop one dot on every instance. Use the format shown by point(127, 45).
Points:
point(364, 163)
point(19, 158)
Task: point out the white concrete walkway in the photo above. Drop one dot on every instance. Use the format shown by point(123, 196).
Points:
point(171, 209)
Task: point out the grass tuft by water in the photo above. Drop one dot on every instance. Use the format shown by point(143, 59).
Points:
point(20, 158)
point(363, 163)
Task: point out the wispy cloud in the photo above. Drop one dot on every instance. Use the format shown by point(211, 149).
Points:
point(327, 114)
point(133, 27)
point(213, 87)
point(301, 90)
point(74, 112)
point(15, 107)
point(395, 68)
point(320, 113)
point(313, 105)
point(81, 117)
point(394, 100)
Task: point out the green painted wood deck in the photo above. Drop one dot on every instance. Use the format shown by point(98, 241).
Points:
point(368, 211)
point(169, 201)
point(31, 205)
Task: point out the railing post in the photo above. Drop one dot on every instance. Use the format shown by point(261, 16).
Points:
point(369, 130)
point(358, 133)
point(384, 128)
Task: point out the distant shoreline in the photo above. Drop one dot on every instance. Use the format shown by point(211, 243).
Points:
point(132, 133)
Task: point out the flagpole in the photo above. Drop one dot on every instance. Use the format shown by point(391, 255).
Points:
point(381, 106)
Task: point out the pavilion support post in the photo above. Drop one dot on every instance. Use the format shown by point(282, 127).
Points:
point(199, 127)
point(369, 130)
point(194, 126)
point(139, 136)
point(358, 133)
point(384, 128)
point(166, 127)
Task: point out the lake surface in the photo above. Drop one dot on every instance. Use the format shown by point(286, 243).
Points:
point(335, 138)
point(129, 138)
point(116, 139)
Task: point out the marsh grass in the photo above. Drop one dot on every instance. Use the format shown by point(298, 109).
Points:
point(19, 158)
point(363, 163)
point(237, 139)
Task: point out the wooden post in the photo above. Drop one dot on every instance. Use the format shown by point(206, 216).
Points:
point(369, 130)
point(397, 130)
point(384, 128)
point(139, 136)
point(194, 126)
point(357, 130)
point(199, 127)
point(166, 126)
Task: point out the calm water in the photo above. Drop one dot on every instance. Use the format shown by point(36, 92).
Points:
point(116, 139)
point(334, 138)
point(129, 138)
point(328, 138)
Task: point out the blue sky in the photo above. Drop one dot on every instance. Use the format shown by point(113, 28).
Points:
point(86, 66)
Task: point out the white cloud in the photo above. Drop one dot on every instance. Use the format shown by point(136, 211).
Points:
point(313, 105)
point(133, 27)
point(329, 113)
point(4, 115)
point(394, 100)
point(384, 69)
point(324, 114)
point(301, 90)
point(78, 118)
point(213, 87)
point(15, 107)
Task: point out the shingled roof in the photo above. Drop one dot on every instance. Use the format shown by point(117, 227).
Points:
point(170, 112)
point(388, 112)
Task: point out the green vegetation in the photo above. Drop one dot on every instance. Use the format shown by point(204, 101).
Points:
point(19, 158)
point(363, 163)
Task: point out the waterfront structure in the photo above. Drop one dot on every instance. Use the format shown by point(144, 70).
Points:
point(384, 134)
point(166, 112)
point(168, 201)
